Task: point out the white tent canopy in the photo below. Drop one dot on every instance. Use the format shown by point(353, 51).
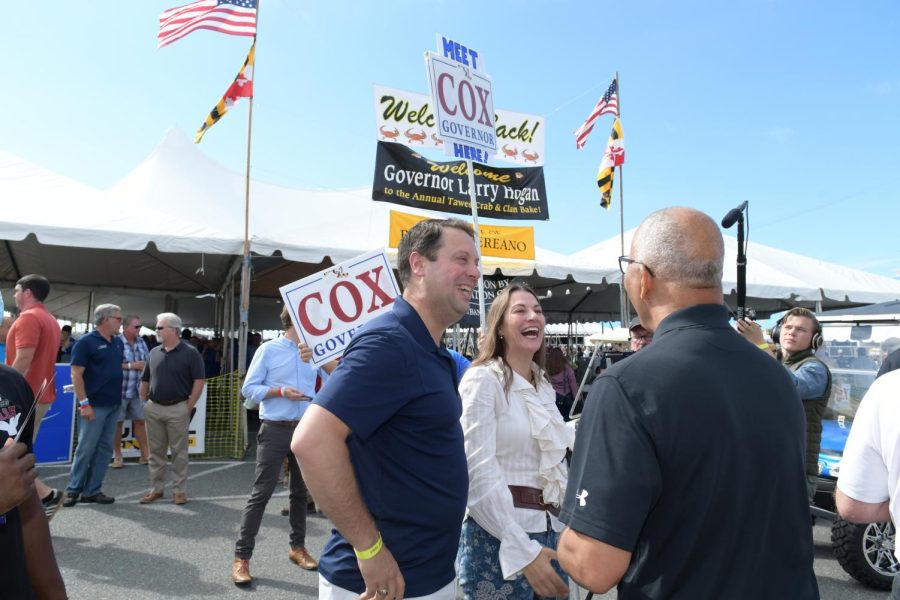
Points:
point(776, 279)
point(172, 230)
point(170, 233)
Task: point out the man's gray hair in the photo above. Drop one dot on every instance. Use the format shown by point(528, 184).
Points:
point(673, 252)
point(171, 319)
point(130, 318)
point(104, 311)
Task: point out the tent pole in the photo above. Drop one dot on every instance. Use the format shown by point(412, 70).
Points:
point(90, 311)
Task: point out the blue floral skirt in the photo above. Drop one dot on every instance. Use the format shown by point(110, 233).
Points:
point(478, 565)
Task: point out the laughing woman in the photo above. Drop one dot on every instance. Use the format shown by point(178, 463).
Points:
point(516, 441)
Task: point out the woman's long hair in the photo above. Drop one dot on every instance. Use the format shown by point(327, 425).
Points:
point(493, 346)
point(556, 361)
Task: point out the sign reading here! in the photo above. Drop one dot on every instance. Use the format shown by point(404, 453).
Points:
point(327, 308)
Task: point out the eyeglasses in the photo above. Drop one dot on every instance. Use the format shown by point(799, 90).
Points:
point(624, 261)
point(119, 319)
point(161, 327)
point(642, 338)
point(138, 326)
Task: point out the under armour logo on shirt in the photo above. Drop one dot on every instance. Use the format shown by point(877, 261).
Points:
point(582, 497)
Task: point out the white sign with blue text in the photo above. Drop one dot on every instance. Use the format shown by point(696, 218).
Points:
point(463, 100)
point(329, 307)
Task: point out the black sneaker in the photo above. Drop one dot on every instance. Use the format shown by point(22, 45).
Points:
point(70, 500)
point(99, 498)
point(52, 503)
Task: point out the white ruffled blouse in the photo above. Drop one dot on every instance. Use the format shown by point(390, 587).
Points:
point(514, 439)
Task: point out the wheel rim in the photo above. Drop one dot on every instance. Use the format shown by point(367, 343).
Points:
point(878, 548)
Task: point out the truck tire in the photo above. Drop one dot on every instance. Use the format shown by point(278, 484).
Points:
point(866, 552)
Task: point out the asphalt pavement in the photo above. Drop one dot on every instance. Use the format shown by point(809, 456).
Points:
point(129, 550)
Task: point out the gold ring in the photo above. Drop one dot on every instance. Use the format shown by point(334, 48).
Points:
point(381, 592)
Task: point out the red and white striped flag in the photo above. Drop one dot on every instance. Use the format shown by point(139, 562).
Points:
point(234, 17)
point(607, 105)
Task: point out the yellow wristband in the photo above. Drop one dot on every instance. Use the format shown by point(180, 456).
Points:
point(764, 346)
point(371, 552)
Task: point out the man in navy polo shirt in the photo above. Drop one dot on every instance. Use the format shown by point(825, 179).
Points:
point(97, 377)
point(687, 474)
point(381, 448)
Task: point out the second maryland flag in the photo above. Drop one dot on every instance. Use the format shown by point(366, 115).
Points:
point(242, 87)
point(612, 158)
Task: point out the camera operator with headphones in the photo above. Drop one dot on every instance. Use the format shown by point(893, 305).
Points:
point(799, 334)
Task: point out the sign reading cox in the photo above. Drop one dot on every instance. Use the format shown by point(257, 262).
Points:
point(463, 100)
point(327, 308)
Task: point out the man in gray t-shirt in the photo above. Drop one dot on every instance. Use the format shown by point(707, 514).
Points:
point(171, 384)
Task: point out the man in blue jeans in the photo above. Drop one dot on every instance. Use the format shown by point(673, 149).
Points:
point(97, 378)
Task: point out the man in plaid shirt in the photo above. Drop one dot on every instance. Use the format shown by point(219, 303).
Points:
point(134, 358)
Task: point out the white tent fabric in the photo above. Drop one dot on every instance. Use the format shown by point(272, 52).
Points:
point(773, 275)
point(303, 225)
point(170, 231)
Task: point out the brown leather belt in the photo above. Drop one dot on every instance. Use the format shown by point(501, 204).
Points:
point(281, 423)
point(533, 498)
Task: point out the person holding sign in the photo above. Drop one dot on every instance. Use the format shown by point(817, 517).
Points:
point(516, 442)
point(283, 384)
point(381, 447)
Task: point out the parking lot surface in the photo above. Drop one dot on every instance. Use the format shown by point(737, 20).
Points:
point(128, 550)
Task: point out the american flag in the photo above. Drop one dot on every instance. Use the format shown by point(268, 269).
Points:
point(242, 87)
point(234, 17)
point(607, 105)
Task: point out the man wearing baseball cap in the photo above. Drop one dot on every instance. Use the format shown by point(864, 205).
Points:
point(638, 335)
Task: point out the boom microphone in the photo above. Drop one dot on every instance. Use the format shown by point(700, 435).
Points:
point(734, 214)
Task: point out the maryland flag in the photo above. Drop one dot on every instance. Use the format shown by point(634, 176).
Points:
point(612, 158)
point(242, 87)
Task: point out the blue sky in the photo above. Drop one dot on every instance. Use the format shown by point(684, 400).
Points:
point(794, 106)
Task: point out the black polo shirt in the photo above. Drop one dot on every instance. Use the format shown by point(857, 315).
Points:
point(690, 455)
point(172, 374)
point(15, 401)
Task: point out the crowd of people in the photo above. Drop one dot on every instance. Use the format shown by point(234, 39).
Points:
point(114, 376)
point(444, 478)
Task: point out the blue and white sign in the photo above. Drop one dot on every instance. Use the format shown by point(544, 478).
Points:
point(54, 442)
point(463, 100)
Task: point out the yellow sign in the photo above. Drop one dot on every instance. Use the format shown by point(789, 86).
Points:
point(499, 241)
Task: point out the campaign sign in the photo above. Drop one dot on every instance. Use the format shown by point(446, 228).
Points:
point(405, 177)
point(54, 440)
point(493, 285)
point(327, 308)
point(463, 103)
point(407, 117)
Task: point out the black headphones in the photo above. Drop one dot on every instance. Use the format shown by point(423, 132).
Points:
point(817, 339)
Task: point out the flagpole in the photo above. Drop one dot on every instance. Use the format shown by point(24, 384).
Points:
point(474, 204)
point(245, 263)
point(623, 297)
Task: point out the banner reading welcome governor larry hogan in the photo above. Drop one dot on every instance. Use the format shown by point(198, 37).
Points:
point(402, 176)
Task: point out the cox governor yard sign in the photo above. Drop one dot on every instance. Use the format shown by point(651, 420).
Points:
point(327, 308)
